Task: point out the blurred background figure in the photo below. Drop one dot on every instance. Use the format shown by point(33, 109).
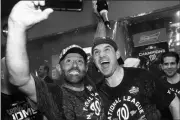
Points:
point(43, 73)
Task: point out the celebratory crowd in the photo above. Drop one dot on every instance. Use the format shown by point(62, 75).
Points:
point(122, 93)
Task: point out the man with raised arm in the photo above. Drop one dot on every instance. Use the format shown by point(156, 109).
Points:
point(76, 99)
point(23, 16)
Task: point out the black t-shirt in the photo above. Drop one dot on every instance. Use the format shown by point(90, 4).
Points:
point(49, 99)
point(133, 98)
point(47, 79)
point(82, 105)
point(17, 107)
point(58, 103)
point(172, 89)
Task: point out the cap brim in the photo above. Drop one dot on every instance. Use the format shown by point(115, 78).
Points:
point(109, 41)
point(75, 50)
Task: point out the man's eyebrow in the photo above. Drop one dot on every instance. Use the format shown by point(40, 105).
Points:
point(95, 49)
point(108, 46)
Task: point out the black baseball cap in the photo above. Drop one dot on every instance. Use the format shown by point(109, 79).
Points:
point(107, 40)
point(73, 49)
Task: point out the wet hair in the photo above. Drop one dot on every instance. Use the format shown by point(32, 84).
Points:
point(169, 54)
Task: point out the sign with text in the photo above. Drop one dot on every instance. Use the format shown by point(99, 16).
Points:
point(150, 37)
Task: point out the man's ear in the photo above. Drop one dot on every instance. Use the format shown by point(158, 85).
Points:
point(58, 68)
point(118, 54)
point(161, 66)
point(86, 68)
point(178, 65)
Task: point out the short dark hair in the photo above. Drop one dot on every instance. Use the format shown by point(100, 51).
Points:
point(46, 68)
point(169, 54)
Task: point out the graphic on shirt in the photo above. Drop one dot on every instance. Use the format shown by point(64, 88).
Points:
point(134, 90)
point(21, 111)
point(174, 90)
point(92, 104)
point(125, 108)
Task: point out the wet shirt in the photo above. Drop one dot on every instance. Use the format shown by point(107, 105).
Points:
point(49, 99)
point(131, 99)
point(82, 105)
point(16, 107)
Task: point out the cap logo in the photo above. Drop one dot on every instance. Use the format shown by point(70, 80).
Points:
point(67, 48)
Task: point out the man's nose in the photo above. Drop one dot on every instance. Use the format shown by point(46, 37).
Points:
point(101, 54)
point(169, 65)
point(74, 64)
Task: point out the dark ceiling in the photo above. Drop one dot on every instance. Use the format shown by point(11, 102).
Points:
point(6, 6)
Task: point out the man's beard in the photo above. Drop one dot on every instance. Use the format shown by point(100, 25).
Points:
point(40, 75)
point(74, 79)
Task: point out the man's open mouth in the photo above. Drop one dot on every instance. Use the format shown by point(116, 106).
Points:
point(105, 64)
point(74, 72)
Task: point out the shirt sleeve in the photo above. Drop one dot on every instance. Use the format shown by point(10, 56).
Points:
point(41, 93)
point(47, 97)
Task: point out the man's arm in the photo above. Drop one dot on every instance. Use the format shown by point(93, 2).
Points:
point(174, 108)
point(23, 15)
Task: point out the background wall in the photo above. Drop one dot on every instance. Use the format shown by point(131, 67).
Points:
point(63, 21)
point(46, 49)
point(40, 50)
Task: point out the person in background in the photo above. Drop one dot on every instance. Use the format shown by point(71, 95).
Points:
point(43, 73)
point(14, 104)
point(171, 78)
point(129, 93)
point(74, 100)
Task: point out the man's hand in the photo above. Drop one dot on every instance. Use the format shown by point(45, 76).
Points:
point(27, 13)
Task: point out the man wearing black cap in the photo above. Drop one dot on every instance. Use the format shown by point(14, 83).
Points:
point(80, 99)
point(128, 92)
point(75, 100)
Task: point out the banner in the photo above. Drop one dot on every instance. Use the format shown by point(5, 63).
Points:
point(151, 52)
point(149, 56)
point(150, 37)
